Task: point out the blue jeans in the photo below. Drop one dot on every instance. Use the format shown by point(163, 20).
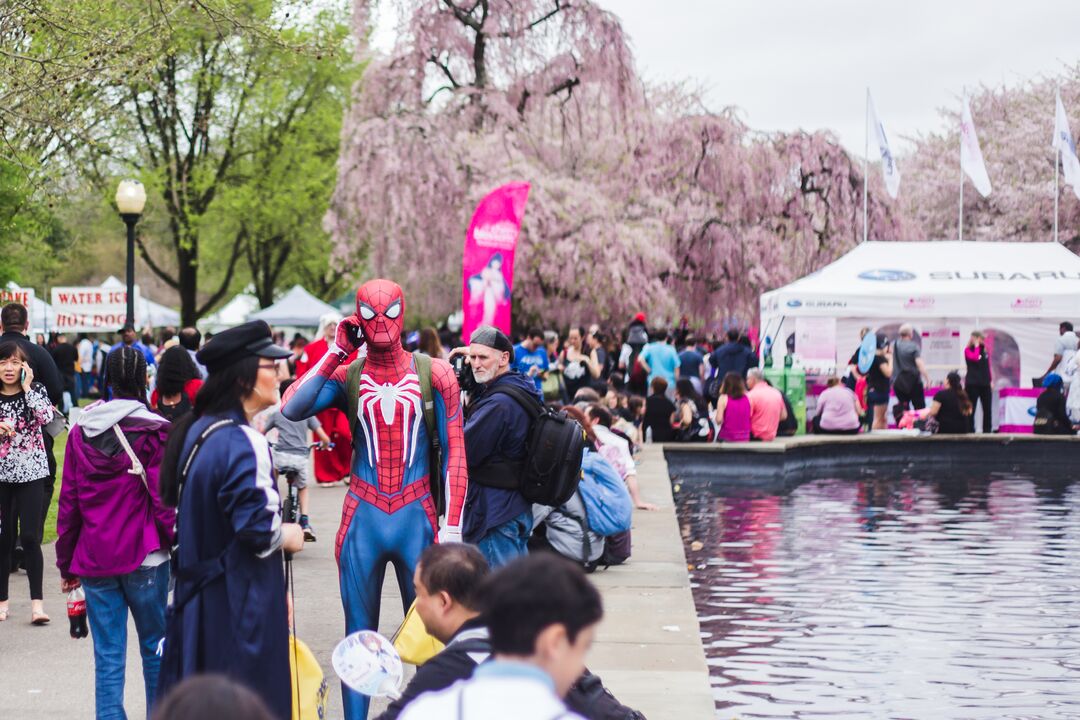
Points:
point(108, 600)
point(86, 381)
point(503, 543)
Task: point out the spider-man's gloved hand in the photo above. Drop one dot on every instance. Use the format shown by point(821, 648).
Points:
point(349, 336)
point(449, 534)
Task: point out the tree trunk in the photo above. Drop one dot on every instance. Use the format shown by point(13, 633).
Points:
point(187, 275)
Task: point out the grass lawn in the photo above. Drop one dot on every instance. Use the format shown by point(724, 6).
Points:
point(59, 444)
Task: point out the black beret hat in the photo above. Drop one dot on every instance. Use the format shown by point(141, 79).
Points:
point(237, 343)
point(492, 337)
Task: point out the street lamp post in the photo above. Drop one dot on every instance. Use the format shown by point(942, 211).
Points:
point(130, 200)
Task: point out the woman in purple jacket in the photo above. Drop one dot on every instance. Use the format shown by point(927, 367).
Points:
point(113, 532)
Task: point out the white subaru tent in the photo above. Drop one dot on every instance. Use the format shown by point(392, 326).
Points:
point(1017, 293)
point(297, 308)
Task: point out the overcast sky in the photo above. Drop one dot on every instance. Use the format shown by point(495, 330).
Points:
point(791, 64)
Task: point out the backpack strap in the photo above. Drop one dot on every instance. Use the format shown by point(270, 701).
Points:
point(136, 464)
point(199, 441)
point(352, 391)
point(528, 401)
point(203, 573)
point(506, 474)
point(427, 395)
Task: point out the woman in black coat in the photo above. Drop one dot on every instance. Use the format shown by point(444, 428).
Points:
point(228, 613)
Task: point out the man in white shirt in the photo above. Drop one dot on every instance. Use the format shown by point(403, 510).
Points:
point(86, 365)
point(542, 614)
point(1064, 350)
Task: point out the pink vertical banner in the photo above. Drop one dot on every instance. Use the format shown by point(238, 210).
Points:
point(487, 268)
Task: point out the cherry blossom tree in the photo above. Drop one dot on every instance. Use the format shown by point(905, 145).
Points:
point(749, 212)
point(1015, 126)
point(641, 199)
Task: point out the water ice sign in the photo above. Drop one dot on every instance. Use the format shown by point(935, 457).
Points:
point(91, 309)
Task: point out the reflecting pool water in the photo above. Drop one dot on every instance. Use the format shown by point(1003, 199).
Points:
point(889, 598)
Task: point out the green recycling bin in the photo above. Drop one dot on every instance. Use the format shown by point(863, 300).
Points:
point(795, 389)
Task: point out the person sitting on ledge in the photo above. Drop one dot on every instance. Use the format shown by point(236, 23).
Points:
point(767, 407)
point(1050, 415)
point(837, 410)
point(952, 407)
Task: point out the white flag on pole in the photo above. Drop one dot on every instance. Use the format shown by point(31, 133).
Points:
point(1063, 142)
point(971, 158)
point(889, 171)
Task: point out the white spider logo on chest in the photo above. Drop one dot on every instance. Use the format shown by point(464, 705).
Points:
point(383, 399)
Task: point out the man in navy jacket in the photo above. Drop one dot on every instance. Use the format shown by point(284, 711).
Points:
point(497, 519)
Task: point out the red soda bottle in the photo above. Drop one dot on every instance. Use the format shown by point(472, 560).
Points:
point(76, 610)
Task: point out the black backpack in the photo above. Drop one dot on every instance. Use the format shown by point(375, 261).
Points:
point(551, 470)
point(637, 335)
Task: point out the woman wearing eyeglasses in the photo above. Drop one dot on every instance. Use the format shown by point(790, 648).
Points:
point(228, 613)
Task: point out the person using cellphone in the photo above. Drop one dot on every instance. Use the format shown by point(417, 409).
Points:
point(24, 410)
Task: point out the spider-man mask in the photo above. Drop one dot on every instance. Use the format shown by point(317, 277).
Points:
point(380, 307)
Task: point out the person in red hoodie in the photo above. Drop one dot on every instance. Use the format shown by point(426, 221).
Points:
point(113, 532)
point(331, 465)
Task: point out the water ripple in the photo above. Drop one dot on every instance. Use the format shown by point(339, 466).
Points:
point(889, 598)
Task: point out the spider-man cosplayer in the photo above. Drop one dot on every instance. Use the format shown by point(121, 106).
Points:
point(388, 515)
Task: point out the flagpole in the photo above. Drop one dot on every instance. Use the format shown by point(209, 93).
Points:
point(1057, 164)
point(962, 168)
point(1057, 191)
point(865, 165)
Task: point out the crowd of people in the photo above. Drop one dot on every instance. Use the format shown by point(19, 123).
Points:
point(897, 370)
point(175, 443)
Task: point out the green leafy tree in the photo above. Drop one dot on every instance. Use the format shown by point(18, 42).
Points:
point(199, 98)
point(30, 233)
point(279, 192)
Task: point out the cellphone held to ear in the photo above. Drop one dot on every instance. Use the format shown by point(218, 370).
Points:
point(22, 376)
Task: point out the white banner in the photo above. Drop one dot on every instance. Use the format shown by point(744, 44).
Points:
point(815, 342)
point(91, 309)
point(971, 157)
point(23, 296)
point(889, 171)
point(942, 349)
point(1063, 142)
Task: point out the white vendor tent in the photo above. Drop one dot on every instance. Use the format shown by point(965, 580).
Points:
point(230, 314)
point(1017, 293)
point(296, 309)
point(147, 312)
point(42, 317)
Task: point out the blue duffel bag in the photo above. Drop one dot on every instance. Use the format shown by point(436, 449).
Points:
point(607, 501)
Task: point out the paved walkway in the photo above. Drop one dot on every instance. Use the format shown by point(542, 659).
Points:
point(648, 650)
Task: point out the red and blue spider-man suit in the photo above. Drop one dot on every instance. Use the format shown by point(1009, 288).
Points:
point(388, 515)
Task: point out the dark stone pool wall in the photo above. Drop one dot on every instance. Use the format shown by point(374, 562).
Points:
point(792, 460)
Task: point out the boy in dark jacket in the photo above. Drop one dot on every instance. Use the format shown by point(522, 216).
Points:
point(447, 580)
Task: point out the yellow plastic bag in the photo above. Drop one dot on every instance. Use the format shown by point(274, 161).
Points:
point(309, 687)
point(412, 640)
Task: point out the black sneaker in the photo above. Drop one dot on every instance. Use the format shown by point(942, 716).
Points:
point(309, 534)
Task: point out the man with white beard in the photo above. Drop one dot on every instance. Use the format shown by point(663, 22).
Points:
point(498, 518)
